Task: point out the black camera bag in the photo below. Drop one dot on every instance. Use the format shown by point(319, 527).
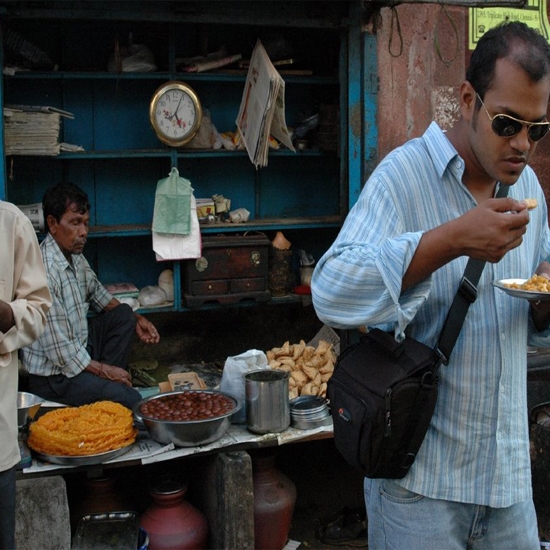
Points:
point(382, 396)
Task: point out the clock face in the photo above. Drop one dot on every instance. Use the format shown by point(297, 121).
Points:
point(175, 113)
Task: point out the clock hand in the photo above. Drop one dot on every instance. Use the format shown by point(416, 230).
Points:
point(176, 110)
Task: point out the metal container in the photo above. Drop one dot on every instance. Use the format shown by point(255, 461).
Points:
point(27, 407)
point(267, 402)
point(308, 412)
point(114, 530)
point(186, 433)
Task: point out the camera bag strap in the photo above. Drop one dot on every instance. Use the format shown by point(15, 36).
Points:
point(464, 298)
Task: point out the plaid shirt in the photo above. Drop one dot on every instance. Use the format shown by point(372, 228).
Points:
point(75, 289)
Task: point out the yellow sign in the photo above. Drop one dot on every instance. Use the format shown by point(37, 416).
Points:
point(483, 19)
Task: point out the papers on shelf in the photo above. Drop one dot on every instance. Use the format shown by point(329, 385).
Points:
point(39, 109)
point(262, 110)
point(32, 129)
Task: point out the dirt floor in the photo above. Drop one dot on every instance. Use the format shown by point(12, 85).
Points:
point(325, 485)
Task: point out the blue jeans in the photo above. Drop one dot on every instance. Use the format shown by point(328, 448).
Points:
point(399, 519)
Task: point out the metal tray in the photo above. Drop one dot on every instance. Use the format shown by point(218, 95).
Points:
point(518, 293)
point(85, 460)
point(113, 530)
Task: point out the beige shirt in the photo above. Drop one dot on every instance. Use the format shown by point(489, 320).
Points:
point(24, 287)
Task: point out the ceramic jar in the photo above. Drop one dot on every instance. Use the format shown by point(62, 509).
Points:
point(171, 522)
point(274, 500)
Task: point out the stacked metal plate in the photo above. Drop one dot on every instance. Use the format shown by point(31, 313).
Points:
point(308, 412)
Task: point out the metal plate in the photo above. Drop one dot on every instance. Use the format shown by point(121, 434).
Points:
point(518, 293)
point(85, 460)
point(114, 530)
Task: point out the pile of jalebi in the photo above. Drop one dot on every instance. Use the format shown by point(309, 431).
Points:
point(82, 431)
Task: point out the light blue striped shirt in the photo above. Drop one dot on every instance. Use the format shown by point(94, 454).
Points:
point(74, 288)
point(477, 447)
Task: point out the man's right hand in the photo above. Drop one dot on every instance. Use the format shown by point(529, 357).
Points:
point(110, 372)
point(486, 232)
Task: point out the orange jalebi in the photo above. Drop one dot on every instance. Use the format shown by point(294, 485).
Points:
point(81, 431)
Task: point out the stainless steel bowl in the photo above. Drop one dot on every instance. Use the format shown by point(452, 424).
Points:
point(27, 407)
point(186, 433)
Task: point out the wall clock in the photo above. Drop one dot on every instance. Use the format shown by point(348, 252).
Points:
point(175, 113)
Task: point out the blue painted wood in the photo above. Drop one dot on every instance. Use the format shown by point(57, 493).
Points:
point(355, 106)
point(3, 174)
point(370, 106)
point(305, 194)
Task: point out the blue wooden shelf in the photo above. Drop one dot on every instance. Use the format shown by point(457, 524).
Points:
point(165, 75)
point(167, 153)
point(255, 225)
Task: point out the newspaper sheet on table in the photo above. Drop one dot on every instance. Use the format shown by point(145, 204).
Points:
point(147, 451)
point(262, 110)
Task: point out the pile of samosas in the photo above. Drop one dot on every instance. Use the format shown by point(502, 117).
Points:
point(309, 367)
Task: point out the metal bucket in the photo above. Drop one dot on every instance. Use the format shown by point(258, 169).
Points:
point(267, 401)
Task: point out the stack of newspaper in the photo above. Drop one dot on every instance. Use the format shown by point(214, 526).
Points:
point(32, 130)
point(262, 111)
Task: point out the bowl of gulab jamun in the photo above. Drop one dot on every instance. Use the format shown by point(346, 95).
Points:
point(187, 418)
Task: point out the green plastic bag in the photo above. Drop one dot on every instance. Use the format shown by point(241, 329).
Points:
point(172, 212)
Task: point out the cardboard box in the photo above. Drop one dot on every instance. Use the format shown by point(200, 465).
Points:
point(205, 207)
point(182, 381)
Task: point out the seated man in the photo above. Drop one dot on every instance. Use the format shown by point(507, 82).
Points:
point(79, 360)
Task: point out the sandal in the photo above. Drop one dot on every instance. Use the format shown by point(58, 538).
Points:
point(349, 528)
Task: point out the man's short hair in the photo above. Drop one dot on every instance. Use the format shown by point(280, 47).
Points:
point(58, 198)
point(524, 45)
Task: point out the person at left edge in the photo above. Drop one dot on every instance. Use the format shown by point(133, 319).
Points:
point(77, 360)
point(24, 302)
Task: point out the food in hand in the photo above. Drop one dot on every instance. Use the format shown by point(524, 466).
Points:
point(83, 431)
point(531, 203)
point(309, 367)
point(536, 283)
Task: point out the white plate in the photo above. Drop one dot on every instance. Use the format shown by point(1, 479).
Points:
point(518, 293)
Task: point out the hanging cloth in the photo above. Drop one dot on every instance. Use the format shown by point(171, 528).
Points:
point(172, 212)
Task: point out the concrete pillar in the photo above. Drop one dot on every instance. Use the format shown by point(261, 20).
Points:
point(42, 514)
point(227, 499)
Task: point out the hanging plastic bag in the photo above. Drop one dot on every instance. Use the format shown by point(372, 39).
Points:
point(133, 58)
point(180, 247)
point(172, 212)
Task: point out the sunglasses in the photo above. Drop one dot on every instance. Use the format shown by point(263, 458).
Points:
point(507, 126)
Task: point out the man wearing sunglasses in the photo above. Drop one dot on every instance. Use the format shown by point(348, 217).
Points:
point(397, 263)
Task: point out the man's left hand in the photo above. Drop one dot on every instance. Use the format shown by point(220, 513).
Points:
point(146, 331)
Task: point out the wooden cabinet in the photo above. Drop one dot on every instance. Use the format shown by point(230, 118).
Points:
point(305, 194)
point(232, 268)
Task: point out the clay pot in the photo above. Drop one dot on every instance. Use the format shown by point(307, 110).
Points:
point(171, 522)
point(274, 500)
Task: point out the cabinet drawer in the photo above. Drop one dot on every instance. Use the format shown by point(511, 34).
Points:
point(250, 284)
point(206, 288)
point(231, 262)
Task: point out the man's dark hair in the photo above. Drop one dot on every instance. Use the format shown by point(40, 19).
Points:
point(60, 196)
point(523, 44)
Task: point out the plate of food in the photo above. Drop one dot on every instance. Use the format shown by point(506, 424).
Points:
point(534, 288)
point(77, 436)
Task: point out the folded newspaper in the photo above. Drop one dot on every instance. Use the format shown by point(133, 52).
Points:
point(262, 110)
